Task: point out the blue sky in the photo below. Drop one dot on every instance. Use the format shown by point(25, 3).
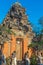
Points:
point(34, 9)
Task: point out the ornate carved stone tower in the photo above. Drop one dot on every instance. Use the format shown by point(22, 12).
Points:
point(17, 24)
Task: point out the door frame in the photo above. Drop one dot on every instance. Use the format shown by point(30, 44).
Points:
point(21, 40)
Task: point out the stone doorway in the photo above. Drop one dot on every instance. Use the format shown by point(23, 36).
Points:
point(19, 48)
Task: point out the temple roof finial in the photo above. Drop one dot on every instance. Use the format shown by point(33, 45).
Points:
point(17, 3)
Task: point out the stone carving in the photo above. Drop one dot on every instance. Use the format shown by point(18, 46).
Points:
point(16, 20)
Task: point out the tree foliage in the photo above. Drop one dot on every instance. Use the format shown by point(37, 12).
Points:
point(41, 23)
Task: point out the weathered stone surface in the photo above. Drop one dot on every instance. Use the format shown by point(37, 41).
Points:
point(15, 21)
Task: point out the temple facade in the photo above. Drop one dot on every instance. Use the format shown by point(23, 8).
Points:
point(16, 32)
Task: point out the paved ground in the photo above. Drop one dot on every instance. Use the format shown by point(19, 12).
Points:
point(20, 63)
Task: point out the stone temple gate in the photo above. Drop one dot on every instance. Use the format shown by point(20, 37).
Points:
point(16, 32)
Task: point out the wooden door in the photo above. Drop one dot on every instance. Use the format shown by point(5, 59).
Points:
point(19, 49)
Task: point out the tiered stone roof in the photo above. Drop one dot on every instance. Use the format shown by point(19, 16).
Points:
point(16, 22)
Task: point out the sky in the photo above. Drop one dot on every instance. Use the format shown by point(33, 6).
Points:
point(34, 9)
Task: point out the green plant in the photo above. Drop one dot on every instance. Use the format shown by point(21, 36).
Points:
point(33, 60)
point(8, 61)
point(8, 31)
